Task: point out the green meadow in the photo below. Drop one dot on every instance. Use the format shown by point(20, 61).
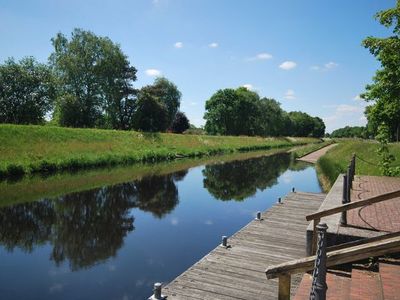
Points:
point(29, 149)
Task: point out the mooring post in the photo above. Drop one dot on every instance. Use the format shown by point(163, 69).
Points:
point(293, 190)
point(319, 286)
point(157, 295)
point(279, 200)
point(343, 218)
point(258, 216)
point(224, 241)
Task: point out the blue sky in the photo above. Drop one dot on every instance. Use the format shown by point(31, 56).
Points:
point(306, 54)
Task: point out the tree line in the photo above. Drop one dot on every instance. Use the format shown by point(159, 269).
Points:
point(384, 93)
point(351, 132)
point(88, 82)
point(242, 112)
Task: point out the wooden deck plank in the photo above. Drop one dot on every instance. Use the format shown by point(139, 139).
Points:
point(238, 272)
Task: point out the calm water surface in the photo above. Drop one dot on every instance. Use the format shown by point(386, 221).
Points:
point(114, 242)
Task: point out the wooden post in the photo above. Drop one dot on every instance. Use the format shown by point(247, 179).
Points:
point(314, 237)
point(348, 187)
point(343, 218)
point(284, 287)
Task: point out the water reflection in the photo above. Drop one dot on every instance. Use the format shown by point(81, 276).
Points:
point(89, 227)
point(241, 179)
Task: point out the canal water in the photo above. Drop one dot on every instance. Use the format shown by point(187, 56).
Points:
point(115, 241)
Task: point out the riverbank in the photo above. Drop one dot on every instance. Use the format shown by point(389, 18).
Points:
point(32, 188)
point(28, 149)
point(337, 159)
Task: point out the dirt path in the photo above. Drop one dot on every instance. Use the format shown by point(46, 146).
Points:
point(313, 156)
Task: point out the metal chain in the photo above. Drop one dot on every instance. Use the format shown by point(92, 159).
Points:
point(316, 266)
point(373, 164)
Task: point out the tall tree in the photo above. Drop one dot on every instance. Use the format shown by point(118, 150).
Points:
point(319, 127)
point(233, 112)
point(166, 93)
point(180, 123)
point(26, 91)
point(384, 92)
point(302, 124)
point(95, 81)
point(151, 115)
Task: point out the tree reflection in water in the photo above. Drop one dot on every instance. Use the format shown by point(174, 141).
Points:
point(88, 227)
point(241, 179)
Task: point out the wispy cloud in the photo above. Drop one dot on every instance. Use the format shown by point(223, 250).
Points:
point(178, 45)
point(357, 98)
point(213, 45)
point(288, 65)
point(345, 114)
point(153, 72)
point(289, 95)
point(325, 67)
point(260, 56)
point(330, 65)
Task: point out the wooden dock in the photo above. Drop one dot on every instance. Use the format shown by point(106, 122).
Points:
point(237, 272)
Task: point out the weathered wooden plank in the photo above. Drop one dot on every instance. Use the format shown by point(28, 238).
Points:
point(238, 272)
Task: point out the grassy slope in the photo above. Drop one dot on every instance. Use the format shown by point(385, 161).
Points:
point(31, 149)
point(306, 149)
point(338, 158)
point(32, 188)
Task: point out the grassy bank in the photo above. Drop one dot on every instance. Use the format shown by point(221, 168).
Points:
point(337, 159)
point(41, 149)
point(32, 188)
point(307, 149)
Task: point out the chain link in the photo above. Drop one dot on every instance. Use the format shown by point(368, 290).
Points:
point(317, 264)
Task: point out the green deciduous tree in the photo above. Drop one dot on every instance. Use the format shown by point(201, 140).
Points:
point(233, 112)
point(151, 115)
point(26, 91)
point(242, 112)
point(180, 123)
point(384, 92)
point(94, 81)
point(166, 93)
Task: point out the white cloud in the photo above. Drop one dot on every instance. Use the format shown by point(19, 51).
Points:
point(326, 67)
point(213, 45)
point(345, 108)
point(345, 115)
point(289, 95)
point(357, 98)
point(288, 65)
point(248, 86)
point(178, 45)
point(174, 221)
point(153, 72)
point(263, 56)
point(330, 65)
point(208, 222)
point(260, 56)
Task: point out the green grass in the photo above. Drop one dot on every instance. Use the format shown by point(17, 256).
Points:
point(41, 149)
point(32, 188)
point(336, 160)
point(304, 150)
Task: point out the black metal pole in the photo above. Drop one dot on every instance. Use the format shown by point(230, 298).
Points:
point(319, 287)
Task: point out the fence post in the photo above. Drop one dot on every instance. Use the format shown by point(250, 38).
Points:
point(343, 218)
point(319, 286)
point(348, 186)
